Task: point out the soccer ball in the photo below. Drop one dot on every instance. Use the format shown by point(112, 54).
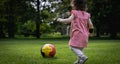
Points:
point(48, 50)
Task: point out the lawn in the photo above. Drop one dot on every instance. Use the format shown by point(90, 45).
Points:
point(27, 51)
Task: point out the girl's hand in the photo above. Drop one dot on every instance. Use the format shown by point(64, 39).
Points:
point(59, 19)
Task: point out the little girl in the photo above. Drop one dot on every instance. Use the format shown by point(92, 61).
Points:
point(81, 27)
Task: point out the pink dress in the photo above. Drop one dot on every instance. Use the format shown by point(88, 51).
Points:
point(79, 29)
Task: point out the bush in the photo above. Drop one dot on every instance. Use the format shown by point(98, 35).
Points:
point(54, 34)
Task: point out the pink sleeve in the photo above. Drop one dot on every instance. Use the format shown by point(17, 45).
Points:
point(72, 12)
point(89, 15)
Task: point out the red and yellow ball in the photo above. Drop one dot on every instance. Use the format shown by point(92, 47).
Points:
point(48, 50)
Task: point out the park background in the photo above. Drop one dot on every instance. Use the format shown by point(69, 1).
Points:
point(26, 25)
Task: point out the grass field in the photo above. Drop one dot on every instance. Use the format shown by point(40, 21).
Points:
point(27, 51)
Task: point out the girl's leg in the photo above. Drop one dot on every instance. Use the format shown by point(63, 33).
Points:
point(77, 51)
point(81, 57)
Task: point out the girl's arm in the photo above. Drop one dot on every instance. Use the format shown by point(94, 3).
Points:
point(66, 20)
point(90, 24)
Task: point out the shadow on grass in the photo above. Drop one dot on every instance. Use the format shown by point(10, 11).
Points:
point(67, 38)
point(59, 38)
point(50, 58)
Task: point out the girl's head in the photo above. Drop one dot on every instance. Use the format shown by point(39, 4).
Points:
point(79, 4)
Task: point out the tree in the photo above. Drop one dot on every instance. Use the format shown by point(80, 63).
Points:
point(37, 20)
point(2, 19)
point(61, 9)
point(105, 15)
point(114, 18)
point(46, 13)
point(12, 12)
point(98, 15)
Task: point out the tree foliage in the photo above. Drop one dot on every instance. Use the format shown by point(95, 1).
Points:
point(14, 11)
point(22, 16)
point(105, 17)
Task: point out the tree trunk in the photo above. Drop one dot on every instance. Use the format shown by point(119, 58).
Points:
point(37, 21)
point(11, 23)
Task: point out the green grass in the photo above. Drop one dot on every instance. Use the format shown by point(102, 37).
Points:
point(27, 51)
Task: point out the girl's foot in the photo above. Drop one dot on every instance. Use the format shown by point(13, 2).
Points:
point(83, 60)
